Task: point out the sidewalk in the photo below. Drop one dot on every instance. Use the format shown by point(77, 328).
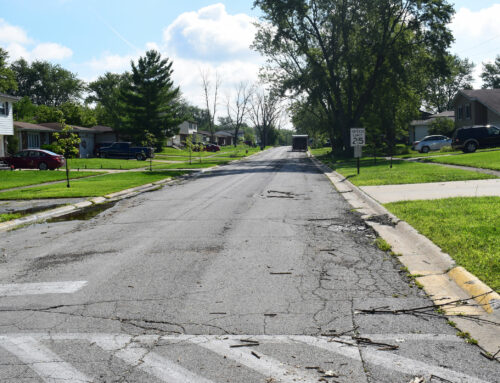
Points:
point(436, 190)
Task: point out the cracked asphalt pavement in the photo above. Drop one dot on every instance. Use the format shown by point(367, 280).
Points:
point(252, 272)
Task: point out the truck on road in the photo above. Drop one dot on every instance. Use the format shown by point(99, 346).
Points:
point(125, 150)
point(299, 142)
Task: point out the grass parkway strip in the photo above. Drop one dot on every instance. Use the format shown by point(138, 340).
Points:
point(485, 160)
point(13, 179)
point(468, 229)
point(402, 172)
point(91, 187)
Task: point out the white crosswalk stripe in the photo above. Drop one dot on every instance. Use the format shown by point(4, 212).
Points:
point(18, 289)
point(138, 352)
point(40, 359)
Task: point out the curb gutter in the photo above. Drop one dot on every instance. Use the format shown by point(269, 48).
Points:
point(442, 280)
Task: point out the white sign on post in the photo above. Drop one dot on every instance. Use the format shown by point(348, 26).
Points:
point(358, 137)
point(358, 152)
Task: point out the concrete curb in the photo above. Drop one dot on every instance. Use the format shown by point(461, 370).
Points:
point(435, 270)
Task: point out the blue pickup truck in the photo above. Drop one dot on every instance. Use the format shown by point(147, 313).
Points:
point(125, 150)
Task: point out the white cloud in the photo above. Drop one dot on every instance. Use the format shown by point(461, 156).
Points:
point(477, 36)
point(211, 34)
point(18, 44)
point(11, 34)
point(109, 62)
point(50, 51)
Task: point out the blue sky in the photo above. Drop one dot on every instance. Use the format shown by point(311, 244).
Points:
point(91, 37)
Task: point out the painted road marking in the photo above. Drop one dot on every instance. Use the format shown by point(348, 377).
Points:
point(266, 365)
point(17, 289)
point(44, 362)
point(148, 361)
point(137, 351)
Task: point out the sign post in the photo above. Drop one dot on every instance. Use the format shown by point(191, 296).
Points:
point(358, 140)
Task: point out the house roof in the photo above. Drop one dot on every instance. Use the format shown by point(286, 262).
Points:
point(488, 97)
point(57, 126)
point(23, 126)
point(102, 129)
point(222, 133)
point(446, 114)
point(9, 97)
point(204, 133)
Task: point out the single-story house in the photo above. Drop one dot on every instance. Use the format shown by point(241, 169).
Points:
point(420, 128)
point(6, 120)
point(477, 107)
point(33, 136)
point(223, 138)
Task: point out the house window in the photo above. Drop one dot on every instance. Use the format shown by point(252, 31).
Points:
point(4, 108)
point(460, 113)
point(467, 112)
point(33, 141)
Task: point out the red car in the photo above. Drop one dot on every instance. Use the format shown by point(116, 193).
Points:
point(212, 148)
point(35, 159)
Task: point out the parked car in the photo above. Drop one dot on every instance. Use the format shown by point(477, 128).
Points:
point(212, 147)
point(35, 159)
point(125, 150)
point(472, 138)
point(429, 143)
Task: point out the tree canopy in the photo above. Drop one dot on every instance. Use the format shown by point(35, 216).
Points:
point(491, 74)
point(8, 82)
point(339, 52)
point(45, 83)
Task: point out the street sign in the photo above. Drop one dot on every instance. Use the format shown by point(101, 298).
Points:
point(358, 150)
point(358, 136)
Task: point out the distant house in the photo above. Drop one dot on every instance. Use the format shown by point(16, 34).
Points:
point(34, 136)
point(186, 129)
point(6, 120)
point(420, 128)
point(477, 107)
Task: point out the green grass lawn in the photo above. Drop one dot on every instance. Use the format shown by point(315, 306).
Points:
point(9, 179)
point(402, 172)
point(91, 187)
point(186, 165)
point(486, 160)
point(105, 163)
point(466, 228)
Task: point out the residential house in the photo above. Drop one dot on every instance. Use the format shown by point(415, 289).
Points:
point(477, 107)
point(6, 120)
point(186, 129)
point(420, 128)
point(33, 136)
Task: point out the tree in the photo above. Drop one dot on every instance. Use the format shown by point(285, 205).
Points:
point(8, 82)
point(442, 125)
point(237, 109)
point(151, 101)
point(442, 89)
point(105, 92)
point(338, 52)
point(309, 119)
point(491, 74)
point(210, 101)
point(45, 83)
point(76, 114)
point(66, 143)
point(265, 114)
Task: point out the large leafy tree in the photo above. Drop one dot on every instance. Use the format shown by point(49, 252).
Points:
point(151, 101)
point(45, 83)
point(106, 92)
point(442, 88)
point(491, 74)
point(7, 78)
point(339, 52)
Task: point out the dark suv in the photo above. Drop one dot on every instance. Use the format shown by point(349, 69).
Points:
point(472, 138)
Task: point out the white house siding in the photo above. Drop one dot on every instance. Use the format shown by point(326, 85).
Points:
point(6, 126)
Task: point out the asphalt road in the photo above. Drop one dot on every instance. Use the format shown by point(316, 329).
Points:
point(262, 254)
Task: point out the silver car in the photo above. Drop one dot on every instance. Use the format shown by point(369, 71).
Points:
point(429, 143)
